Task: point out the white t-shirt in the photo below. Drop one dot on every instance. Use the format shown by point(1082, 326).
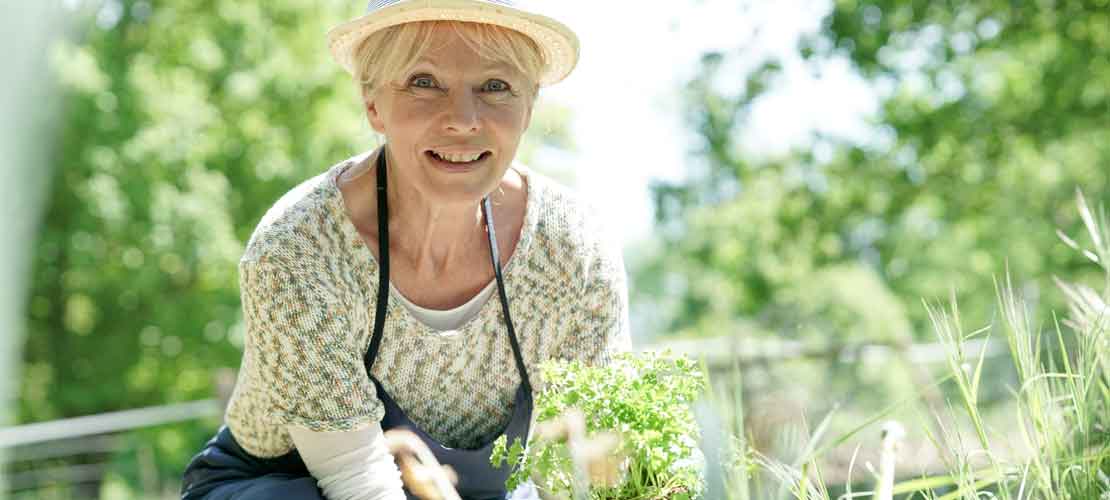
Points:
point(350, 465)
point(450, 319)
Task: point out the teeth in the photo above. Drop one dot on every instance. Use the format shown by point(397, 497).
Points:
point(457, 158)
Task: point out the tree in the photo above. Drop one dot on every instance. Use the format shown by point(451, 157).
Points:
point(992, 114)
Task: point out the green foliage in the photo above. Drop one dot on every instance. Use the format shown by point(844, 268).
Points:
point(1062, 412)
point(183, 122)
point(645, 399)
point(991, 114)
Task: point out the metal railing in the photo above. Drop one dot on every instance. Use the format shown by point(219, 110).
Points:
point(108, 423)
point(725, 353)
point(76, 453)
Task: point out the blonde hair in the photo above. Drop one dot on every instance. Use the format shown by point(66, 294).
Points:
point(388, 53)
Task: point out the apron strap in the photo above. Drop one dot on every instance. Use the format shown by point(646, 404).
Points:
point(383, 264)
point(383, 275)
point(495, 255)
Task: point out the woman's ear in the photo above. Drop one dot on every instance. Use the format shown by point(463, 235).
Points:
point(372, 113)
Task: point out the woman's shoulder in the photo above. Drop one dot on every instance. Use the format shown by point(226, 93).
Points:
point(305, 222)
point(566, 225)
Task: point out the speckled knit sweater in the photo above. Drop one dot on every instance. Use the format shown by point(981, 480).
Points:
point(308, 285)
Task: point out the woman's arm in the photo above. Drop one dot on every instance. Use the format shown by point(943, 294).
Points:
point(304, 345)
point(305, 377)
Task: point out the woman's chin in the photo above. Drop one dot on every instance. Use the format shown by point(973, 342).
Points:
point(460, 189)
point(461, 183)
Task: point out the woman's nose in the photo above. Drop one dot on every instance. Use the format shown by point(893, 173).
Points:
point(462, 114)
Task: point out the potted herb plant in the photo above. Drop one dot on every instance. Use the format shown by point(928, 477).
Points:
point(625, 430)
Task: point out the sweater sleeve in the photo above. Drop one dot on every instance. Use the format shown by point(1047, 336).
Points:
point(304, 349)
point(601, 324)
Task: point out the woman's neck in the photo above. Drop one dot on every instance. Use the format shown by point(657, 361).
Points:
point(433, 238)
point(429, 239)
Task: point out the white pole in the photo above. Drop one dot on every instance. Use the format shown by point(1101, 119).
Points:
point(26, 94)
point(892, 435)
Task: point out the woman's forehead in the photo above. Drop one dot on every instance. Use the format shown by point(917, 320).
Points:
point(445, 61)
point(453, 53)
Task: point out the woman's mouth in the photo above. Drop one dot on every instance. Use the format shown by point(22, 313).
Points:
point(456, 161)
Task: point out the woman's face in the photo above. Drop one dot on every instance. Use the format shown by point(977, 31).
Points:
point(453, 122)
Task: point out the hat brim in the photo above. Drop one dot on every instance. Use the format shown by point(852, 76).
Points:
point(558, 43)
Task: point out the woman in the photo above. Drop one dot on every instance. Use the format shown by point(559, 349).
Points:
point(419, 285)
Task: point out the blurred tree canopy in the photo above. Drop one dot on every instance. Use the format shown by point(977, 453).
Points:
point(183, 122)
point(992, 114)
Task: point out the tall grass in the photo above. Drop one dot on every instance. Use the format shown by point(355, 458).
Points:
point(1062, 407)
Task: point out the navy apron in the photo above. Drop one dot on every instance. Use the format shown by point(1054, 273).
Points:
point(224, 471)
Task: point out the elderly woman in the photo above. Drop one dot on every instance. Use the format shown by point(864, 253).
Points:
point(421, 284)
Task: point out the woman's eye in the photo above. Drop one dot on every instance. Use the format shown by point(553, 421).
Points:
point(424, 82)
point(496, 86)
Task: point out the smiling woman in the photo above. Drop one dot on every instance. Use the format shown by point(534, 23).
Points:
point(418, 285)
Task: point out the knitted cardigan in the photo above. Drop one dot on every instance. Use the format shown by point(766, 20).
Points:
point(309, 284)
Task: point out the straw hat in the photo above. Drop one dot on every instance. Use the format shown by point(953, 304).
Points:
point(558, 43)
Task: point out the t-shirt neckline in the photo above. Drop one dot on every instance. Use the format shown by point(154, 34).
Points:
point(397, 312)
